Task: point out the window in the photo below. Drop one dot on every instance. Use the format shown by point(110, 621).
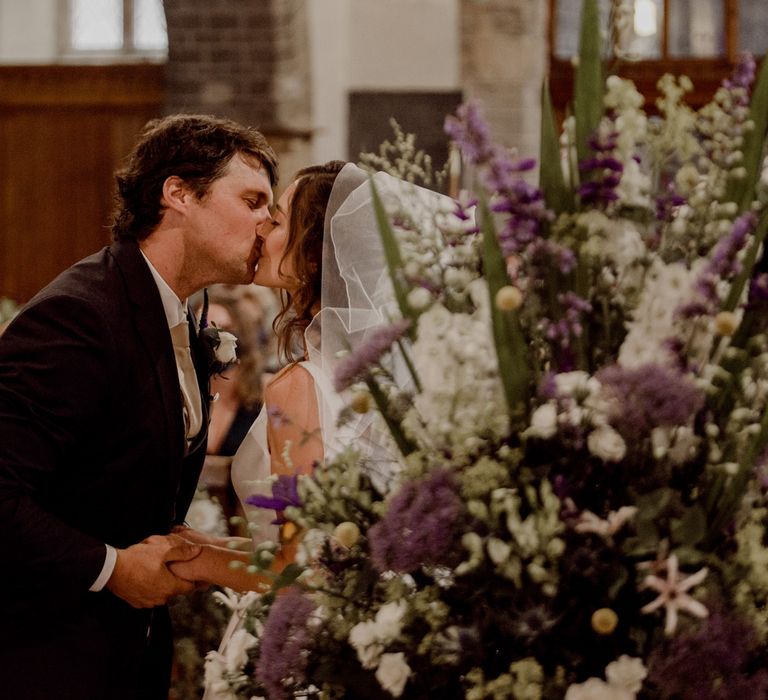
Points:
point(114, 28)
point(700, 38)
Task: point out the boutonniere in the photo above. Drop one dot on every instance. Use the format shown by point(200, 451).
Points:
point(219, 347)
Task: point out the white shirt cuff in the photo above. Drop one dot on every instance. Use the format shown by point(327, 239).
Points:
point(106, 571)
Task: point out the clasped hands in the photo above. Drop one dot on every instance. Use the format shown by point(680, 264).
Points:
point(142, 576)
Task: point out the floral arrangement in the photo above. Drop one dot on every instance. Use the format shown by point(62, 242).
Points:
point(581, 511)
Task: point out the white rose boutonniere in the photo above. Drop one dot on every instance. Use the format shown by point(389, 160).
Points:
point(220, 346)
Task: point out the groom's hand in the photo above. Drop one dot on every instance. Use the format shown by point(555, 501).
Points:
point(141, 576)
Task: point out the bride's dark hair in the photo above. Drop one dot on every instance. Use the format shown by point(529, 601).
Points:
point(305, 245)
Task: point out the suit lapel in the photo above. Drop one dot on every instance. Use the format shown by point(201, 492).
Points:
point(152, 330)
point(203, 381)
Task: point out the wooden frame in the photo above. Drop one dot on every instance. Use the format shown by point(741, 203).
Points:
point(127, 54)
point(705, 73)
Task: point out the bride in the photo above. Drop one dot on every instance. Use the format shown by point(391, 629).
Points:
point(323, 249)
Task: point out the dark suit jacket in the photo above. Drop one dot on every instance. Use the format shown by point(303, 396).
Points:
point(92, 451)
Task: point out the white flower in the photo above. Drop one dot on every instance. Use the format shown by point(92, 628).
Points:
point(389, 620)
point(626, 672)
point(369, 638)
point(673, 594)
point(206, 515)
point(589, 522)
point(226, 352)
point(217, 686)
point(571, 383)
point(543, 422)
point(392, 673)
point(362, 637)
point(419, 298)
point(597, 689)
point(604, 442)
point(236, 651)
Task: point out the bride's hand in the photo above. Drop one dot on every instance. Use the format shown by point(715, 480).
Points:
point(243, 544)
point(195, 536)
point(188, 571)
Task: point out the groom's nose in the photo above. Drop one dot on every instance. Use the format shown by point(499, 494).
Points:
point(262, 216)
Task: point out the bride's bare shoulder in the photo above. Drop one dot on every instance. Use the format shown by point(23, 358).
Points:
point(291, 388)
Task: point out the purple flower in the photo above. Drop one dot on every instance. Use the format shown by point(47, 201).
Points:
point(758, 290)
point(742, 77)
point(420, 526)
point(649, 396)
point(361, 360)
point(521, 202)
point(723, 265)
point(284, 643)
point(602, 172)
point(561, 333)
point(667, 203)
point(709, 662)
point(471, 133)
point(285, 493)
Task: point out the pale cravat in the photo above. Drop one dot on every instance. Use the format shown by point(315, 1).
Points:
point(190, 391)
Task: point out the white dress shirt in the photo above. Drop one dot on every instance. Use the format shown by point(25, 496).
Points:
point(175, 313)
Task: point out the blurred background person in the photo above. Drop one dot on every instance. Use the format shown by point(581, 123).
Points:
point(246, 311)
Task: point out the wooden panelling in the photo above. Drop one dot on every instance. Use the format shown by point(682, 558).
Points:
point(63, 132)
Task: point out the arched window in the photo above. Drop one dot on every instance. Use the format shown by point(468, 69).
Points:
point(116, 29)
point(700, 38)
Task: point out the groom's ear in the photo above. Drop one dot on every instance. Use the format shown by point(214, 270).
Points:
point(176, 193)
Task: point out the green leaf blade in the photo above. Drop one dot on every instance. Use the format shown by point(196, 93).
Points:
point(511, 348)
point(588, 82)
point(743, 191)
point(551, 180)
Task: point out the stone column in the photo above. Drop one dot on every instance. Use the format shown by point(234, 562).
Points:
point(503, 64)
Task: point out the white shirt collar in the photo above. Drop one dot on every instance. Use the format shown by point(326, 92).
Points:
point(175, 310)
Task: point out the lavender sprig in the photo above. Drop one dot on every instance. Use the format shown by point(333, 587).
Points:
point(358, 364)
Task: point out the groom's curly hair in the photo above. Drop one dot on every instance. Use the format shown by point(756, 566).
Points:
point(195, 147)
point(305, 246)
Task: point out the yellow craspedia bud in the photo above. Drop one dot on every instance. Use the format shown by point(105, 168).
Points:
point(288, 531)
point(361, 402)
point(509, 298)
point(726, 323)
point(347, 534)
point(604, 621)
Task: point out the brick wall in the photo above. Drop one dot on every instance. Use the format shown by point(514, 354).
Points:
point(247, 60)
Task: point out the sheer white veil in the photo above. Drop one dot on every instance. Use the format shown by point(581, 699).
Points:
point(356, 298)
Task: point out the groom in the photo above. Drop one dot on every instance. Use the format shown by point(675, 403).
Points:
point(103, 419)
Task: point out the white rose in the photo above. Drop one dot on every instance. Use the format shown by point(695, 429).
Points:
point(226, 352)
point(543, 422)
point(626, 672)
point(604, 442)
point(596, 689)
point(236, 652)
point(393, 673)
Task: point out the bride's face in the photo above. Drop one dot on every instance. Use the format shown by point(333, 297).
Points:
point(274, 268)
